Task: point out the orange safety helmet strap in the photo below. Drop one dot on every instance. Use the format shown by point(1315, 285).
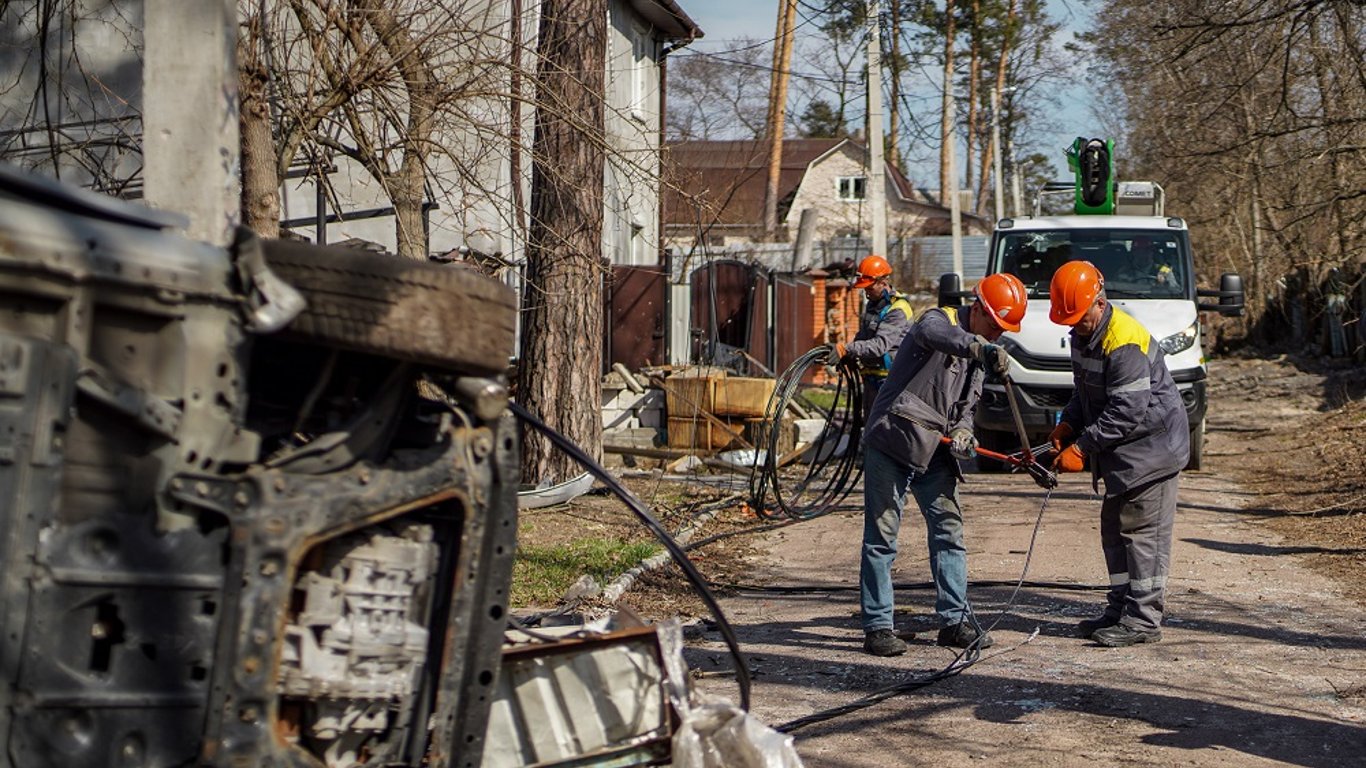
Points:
point(870, 269)
point(1073, 290)
point(1004, 298)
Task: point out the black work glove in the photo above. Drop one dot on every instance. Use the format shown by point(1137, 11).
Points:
point(836, 356)
point(963, 444)
point(993, 357)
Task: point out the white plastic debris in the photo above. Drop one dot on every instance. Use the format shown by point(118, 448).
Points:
point(713, 733)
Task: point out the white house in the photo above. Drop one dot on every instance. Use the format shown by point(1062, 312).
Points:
point(474, 204)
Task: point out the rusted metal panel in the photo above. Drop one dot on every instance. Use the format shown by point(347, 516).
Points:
point(795, 327)
point(634, 330)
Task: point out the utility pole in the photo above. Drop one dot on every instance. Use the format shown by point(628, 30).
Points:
point(1014, 179)
point(777, 106)
point(877, 175)
point(955, 206)
point(999, 195)
point(191, 147)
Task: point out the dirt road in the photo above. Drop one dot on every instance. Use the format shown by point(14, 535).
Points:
point(1262, 662)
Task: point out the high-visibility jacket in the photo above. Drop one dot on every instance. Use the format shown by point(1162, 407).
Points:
point(1125, 408)
point(933, 387)
point(880, 329)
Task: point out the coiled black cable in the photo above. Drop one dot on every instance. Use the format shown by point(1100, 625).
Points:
point(675, 551)
point(831, 474)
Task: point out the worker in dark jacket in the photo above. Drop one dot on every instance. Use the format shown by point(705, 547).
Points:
point(1127, 417)
point(885, 319)
point(931, 391)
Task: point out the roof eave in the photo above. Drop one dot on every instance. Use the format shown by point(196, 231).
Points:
point(667, 17)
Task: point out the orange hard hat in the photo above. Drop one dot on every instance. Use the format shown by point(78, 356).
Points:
point(870, 269)
point(1073, 290)
point(1004, 298)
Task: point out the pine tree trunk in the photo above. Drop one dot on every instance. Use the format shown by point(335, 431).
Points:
point(989, 150)
point(260, 176)
point(559, 377)
point(946, 130)
point(974, 80)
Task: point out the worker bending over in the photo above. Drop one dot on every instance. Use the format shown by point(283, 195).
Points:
point(885, 319)
point(931, 391)
point(1127, 417)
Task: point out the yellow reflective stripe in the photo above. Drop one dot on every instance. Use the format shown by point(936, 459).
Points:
point(952, 312)
point(902, 303)
point(1123, 330)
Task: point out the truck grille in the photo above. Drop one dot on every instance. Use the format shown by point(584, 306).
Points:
point(1048, 397)
point(1038, 362)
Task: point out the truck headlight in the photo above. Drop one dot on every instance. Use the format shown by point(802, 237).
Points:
point(1180, 342)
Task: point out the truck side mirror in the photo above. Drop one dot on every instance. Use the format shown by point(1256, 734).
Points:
point(950, 290)
point(1230, 295)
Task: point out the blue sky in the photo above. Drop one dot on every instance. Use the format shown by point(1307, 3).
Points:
point(723, 21)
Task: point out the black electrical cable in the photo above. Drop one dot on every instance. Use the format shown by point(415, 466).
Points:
point(675, 551)
point(964, 660)
point(903, 585)
point(831, 474)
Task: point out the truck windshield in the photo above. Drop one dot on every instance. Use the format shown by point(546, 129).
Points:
point(1137, 263)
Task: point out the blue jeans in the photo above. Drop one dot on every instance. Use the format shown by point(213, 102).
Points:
point(885, 482)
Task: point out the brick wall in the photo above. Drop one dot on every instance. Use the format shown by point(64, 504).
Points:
point(835, 315)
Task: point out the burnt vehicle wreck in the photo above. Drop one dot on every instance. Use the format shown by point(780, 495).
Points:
point(259, 503)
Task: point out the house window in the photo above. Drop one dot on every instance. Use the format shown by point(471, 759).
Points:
point(642, 55)
point(852, 187)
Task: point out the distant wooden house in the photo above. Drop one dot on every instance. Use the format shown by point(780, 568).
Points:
point(714, 194)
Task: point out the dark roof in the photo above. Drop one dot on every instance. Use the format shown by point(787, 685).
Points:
point(667, 17)
point(729, 179)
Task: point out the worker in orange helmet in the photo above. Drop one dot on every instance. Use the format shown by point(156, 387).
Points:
point(930, 393)
point(1126, 417)
point(885, 318)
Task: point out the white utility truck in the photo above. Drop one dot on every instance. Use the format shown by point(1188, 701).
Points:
point(1123, 229)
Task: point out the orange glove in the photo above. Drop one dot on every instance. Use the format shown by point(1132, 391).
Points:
point(1060, 434)
point(1070, 460)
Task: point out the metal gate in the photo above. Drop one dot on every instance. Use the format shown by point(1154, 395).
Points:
point(730, 314)
point(634, 318)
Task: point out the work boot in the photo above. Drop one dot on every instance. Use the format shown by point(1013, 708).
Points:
point(883, 642)
point(1123, 636)
point(1088, 627)
point(962, 635)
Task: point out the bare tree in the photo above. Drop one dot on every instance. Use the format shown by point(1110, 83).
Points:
point(562, 316)
point(383, 83)
point(66, 109)
point(1253, 115)
point(719, 95)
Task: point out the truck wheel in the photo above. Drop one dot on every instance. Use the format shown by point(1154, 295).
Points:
point(443, 316)
point(1197, 445)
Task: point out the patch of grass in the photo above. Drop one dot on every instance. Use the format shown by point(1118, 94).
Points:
point(540, 575)
point(820, 397)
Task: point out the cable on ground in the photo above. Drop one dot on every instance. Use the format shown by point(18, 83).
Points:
point(964, 660)
point(742, 677)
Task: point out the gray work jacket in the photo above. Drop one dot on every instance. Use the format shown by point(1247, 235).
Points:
point(880, 329)
point(932, 388)
point(1125, 408)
